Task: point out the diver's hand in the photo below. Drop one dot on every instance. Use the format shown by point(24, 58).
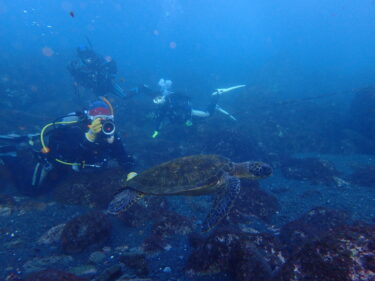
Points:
point(155, 134)
point(95, 128)
point(188, 123)
point(131, 175)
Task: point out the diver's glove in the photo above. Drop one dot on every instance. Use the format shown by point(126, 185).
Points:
point(76, 167)
point(131, 175)
point(155, 134)
point(95, 128)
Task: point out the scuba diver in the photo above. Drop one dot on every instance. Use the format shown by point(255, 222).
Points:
point(80, 141)
point(177, 108)
point(92, 71)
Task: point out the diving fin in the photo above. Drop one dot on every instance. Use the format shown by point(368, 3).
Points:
point(220, 109)
point(225, 90)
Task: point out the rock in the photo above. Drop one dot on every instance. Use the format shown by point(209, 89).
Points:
point(53, 275)
point(167, 225)
point(167, 269)
point(37, 264)
point(16, 243)
point(144, 211)
point(311, 226)
point(346, 253)
point(362, 116)
point(13, 277)
point(83, 231)
point(110, 274)
point(313, 170)
point(97, 257)
point(244, 256)
point(87, 188)
point(363, 176)
point(5, 211)
point(53, 235)
point(127, 278)
point(136, 262)
point(252, 201)
point(83, 270)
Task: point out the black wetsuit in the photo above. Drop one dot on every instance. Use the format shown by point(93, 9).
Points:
point(69, 144)
point(178, 109)
point(94, 72)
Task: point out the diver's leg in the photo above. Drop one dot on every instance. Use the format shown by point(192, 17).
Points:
point(199, 113)
point(210, 108)
point(39, 175)
point(21, 174)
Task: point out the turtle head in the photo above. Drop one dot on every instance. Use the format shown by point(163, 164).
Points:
point(252, 170)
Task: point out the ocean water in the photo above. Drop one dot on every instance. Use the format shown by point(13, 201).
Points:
point(308, 110)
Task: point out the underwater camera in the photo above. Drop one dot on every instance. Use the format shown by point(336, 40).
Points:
point(108, 127)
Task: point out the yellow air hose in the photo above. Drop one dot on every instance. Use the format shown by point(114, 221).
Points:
point(45, 149)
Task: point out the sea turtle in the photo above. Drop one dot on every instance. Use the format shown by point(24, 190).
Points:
point(192, 175)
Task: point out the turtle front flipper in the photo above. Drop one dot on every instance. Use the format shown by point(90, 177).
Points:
point(123, 201)
point(223, 202)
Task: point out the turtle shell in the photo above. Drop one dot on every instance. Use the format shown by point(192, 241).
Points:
point(193, 175)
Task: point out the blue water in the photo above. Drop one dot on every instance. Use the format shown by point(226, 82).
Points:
point(303, 63)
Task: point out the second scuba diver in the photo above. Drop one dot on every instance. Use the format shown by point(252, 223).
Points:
point(92, 71)
point(177, 108)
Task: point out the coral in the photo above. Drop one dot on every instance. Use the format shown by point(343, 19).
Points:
point(83, 231)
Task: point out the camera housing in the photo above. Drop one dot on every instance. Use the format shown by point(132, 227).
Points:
point(108, 127)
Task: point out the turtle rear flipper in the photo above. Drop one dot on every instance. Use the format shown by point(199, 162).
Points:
point(223, 203)
point(123, 201)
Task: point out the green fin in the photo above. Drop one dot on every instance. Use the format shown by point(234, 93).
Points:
point(123, 201)
point(223, 202)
